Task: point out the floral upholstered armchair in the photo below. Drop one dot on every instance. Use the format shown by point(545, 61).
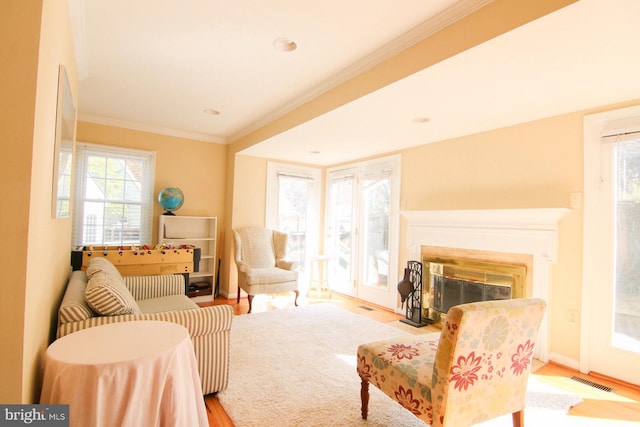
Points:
point(475, 370)
point(262, 265)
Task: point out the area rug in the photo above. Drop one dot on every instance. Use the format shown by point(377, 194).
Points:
point(296, 367)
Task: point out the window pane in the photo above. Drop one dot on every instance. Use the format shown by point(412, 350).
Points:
point(92, 220)
point(293, 204)
point(132, 191)
point(115, 168)
point(135, 170)
point(627, 262)
point(377, 194)
point(341, 228)
point(115, 190)
point(97, 166)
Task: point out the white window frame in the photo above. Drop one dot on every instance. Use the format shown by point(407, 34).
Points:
point(83, 150)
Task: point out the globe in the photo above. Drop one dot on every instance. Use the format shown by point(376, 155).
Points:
point(170, 198)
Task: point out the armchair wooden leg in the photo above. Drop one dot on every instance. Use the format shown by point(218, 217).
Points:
point(238, 295)
point(295, 301)
point(250, 299)
point(364, 397)
point(518, 418)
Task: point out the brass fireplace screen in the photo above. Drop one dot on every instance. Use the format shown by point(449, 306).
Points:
point(450, 282)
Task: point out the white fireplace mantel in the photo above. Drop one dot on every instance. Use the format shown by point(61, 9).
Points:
point(517, 231)
point(533, 219)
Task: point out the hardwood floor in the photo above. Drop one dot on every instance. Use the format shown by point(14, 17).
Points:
point(620, 407)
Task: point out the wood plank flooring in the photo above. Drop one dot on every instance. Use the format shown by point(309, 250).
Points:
point(611, 409)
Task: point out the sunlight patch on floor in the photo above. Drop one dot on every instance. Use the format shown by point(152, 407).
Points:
point(573, 421)
point(582, 390)
point(348, 359)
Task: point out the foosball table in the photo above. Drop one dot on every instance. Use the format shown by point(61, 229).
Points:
point(143, 260)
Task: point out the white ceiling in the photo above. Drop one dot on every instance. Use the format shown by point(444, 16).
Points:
point(152, 65)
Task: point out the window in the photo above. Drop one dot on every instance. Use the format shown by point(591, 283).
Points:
point(293, 199)
point(114, 196)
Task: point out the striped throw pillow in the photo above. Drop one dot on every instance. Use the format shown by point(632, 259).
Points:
point(107, 295)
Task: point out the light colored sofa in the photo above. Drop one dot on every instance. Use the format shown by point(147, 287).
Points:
point(90, 295)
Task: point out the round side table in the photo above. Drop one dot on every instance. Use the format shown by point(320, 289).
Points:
point(138, 373)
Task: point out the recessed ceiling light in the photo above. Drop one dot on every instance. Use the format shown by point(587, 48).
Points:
point(212, 111)
point(421, 119)
point(284, 44)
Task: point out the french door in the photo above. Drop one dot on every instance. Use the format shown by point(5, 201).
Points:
point(362, 230)
point(610, 330)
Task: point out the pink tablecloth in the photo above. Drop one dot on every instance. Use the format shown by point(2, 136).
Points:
point(126, 374)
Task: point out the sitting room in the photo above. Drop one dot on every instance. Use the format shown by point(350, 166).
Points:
point(370, 136)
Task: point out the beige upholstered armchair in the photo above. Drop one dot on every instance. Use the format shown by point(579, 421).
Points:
point(262, 267)
point(475, 370)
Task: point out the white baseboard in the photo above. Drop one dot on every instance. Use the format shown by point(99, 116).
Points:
point(564, 361)
point(202, 298)
point(228, 295)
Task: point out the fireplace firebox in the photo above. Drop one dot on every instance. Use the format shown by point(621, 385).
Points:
point(450, 281)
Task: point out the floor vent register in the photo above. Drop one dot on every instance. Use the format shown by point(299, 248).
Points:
point(593, 384)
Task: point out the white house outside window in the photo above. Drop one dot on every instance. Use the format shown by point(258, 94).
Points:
point(114, 196)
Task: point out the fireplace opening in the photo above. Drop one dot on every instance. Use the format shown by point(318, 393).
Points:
point(457, 281)
point(452, 276)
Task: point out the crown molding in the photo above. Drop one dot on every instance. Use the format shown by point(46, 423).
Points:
point(438, 22)
point(107, 121)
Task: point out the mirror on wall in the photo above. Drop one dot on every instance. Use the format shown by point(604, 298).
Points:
point(63, 151)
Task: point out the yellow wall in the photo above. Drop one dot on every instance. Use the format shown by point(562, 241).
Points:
point(530, 165)
point(36, 38)
point(19, 31)
point(248, 204)
point(198, 168)
point(250, 191)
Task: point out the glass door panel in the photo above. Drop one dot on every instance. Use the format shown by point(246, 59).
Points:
point(376, 231)
point(341, 231)
point(293, 202)
point(626, 287)
point(293, 207)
